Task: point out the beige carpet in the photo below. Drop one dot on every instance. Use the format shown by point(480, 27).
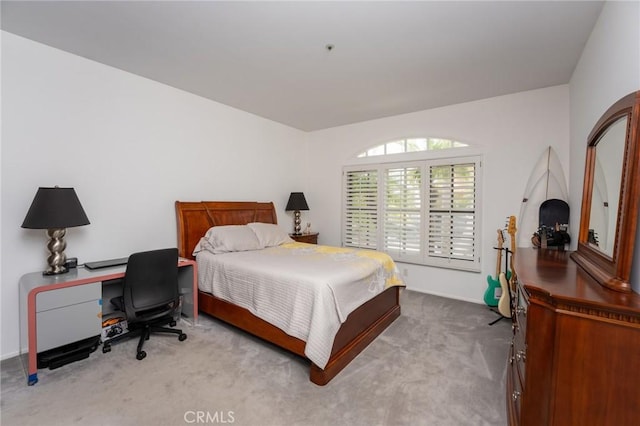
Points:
point(438, 364)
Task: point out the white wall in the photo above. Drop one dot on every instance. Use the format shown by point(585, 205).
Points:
point(130, 147)
point(510, 131)
point(609, 69)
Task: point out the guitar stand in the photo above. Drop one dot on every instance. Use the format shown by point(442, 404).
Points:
point(506, 266)
point(501, 317)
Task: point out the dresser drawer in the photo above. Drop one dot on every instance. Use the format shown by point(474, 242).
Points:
point(514, 391)
point(520, 355)
point(522, 306)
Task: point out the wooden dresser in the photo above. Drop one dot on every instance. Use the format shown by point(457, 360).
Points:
point(575, 354)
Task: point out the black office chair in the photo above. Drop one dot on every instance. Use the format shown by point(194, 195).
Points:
point(151, 298)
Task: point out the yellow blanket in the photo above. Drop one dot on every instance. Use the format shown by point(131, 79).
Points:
point(392, 277)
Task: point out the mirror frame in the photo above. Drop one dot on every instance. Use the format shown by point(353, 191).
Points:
point(613, 271)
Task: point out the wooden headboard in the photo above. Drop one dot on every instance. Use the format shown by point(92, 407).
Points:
point(194, 218)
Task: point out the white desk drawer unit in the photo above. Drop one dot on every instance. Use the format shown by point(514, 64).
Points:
point(67, 315)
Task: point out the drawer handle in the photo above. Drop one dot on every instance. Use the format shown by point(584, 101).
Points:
point(514, 327)
point(515, 395)
point(520, 310)
point(521, 356)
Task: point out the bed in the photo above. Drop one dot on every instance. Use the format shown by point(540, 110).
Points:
point(358, 330)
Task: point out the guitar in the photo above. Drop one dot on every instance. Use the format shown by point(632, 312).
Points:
point(493, 292)
point(511, 230)
point(504, 304)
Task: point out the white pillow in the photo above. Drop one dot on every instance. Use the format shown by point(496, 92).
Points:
point(269, 234)
point(228, 238)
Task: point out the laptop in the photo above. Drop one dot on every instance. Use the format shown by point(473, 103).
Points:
point(106, 263)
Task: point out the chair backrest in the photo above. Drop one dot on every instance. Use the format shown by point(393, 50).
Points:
point(150, 281)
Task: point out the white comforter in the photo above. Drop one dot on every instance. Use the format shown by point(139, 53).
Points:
point(305, 290)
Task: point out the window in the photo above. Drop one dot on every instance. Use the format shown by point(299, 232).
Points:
point(402, 211)
point(412, 145)
point(424, 212)
point(361, 209)
point(452, 211)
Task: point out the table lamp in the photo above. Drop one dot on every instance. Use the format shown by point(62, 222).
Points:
point(296, 203)
point(55, 209)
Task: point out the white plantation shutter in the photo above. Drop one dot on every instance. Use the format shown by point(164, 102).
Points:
point(425, 212)
point(360, 224)
point(452, 215)
point(402, 212)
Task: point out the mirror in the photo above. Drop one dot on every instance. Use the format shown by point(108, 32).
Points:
point(609, 155)
point(611, 196)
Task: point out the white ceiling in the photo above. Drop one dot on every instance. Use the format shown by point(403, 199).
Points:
point(269, 58)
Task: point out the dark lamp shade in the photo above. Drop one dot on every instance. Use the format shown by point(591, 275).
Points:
point(55, 208)
point(297, 202)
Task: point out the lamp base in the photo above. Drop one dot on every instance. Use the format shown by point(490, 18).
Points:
point(296, 223)
point(58, 271)
point(56, 246)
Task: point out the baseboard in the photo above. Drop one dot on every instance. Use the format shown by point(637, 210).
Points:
point(448, 296)
point(10, 355)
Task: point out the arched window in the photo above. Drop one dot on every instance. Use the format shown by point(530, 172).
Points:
point(411, 145)
point(423, 211)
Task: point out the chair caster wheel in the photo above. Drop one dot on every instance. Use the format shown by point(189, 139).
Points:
point(182, 337)
point(141, 355)
point(106, 349)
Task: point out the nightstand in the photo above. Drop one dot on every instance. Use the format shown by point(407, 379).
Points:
point(311, 238)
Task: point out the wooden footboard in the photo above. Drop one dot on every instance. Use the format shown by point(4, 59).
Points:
point(361, 327)
point(245, 320)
